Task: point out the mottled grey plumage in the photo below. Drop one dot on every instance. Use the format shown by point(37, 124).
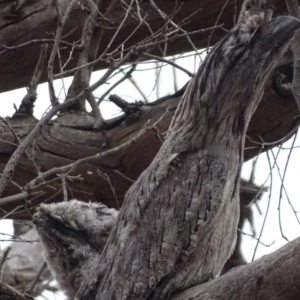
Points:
point(73, 235)
point(251, 7)
point(242, 35)
point(177, 226)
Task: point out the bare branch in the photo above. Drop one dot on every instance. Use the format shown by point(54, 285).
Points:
point(8, 292)
point(146, 45)
point(150, 56)
point(61, 23)
point(126, 76)
point(11, 164)
point(36, 279)
point(185, 205)
point(26, 107)
point(258, 279)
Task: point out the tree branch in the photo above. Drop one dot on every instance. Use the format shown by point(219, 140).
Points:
point(37, 19)
point(193, 180)
point(10, 293)
point(274, 276)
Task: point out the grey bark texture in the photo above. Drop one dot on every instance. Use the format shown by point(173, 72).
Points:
point(35, 20)
point(275, 119)
point(271, 122)
point(73, 234)
point(177, 225)
point(194, 166)
point(273, 277)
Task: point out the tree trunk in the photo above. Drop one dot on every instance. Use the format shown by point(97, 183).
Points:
point(273, 122)
point(199, 161)
point(178, 222)
point(71, 256)
point(259, 280)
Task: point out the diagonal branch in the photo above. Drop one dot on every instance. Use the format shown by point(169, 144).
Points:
point(178, 223)
point(258, 280)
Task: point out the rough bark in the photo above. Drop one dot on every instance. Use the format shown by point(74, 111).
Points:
point(272, 277)
point(71, 233)
point(273, 121)
point(22, 260)
point(37, 19)
point(177, 225)
point(259, 279)
point(69, 124)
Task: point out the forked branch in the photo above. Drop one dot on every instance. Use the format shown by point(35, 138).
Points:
point(178, 223)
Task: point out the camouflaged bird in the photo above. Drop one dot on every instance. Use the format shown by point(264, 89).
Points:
point(73, 235)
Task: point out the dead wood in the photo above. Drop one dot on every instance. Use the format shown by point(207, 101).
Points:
point(272, 277)
point(37, 20)
point(177, 225)
point(274, 121)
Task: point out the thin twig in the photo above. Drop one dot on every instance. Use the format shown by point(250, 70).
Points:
point(119, 28)
point(284, 174)
point(36, 279)
point(263, 144)
point(107, 179)
point(141, 47)
point(26, 152)
point(11, 164)
point(61, 23)
point(252, 236)
point(126, 76)
point(23, 241)
point(124, 176)
point(151, 56)
point(40, 42)
point(165, 17)
point(64, 186)
point(217, 21)
point(282, 178)
point(267, 211)
point(133, 82)
point(27, 103)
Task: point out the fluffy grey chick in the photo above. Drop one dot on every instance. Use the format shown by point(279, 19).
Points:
point(73, 235)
